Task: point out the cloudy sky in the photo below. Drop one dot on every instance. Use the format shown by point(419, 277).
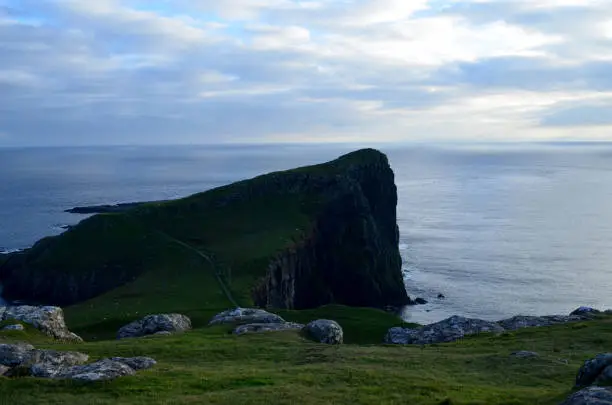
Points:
point(179, 71)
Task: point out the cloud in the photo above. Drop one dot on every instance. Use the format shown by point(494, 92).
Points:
point(135, 71)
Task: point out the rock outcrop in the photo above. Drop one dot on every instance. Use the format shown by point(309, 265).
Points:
point(49, 320)
point(346, 252)
point(522, 321)
point(350, 255)
point(16, 327)
point(590, 396)
point(324, 331)
point(266, 327)
point(448, 330)
point(153, 324)
point(525, 354)
point(23, 360)
point(596, 371)
point(243, 316)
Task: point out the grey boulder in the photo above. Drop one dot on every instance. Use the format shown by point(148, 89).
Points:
point(590, 396)
point(136, 363)
point(102, 370)
point(595, 371)
point(16, 327)
point(12, 355)
point(524, 354)
point(324, 331)
point(50, 363)
point(152, 324)
point(447, 330)
point(266, 327)
point(243, 316)
point(3, 370)
point(523, 321)
point(47, 319)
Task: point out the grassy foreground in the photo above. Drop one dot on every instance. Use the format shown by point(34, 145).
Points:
point(210, 366)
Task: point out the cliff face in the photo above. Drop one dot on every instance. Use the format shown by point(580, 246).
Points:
point(347, 254)
point(351, 254)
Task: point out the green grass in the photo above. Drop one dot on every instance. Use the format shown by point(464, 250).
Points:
point(210, 366)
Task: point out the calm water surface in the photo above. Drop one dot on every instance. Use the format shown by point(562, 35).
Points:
point(499, 230)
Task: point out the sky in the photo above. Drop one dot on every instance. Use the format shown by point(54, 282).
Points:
point(76, 72)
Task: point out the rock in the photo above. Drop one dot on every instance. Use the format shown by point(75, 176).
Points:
point(49, 320)
point(448, 330)
point(136, 363)
point(50, 363)
point(16, 327)
point(13, 355)
point(3, 370)
point(590, 396)
point(324, 331)
point(523, 354)
point(592, 370)
point(243, 316)
point(152, 324)
point(586, 312)
point(522, 321)
point(266, 327)
point(420, 301)
point(400, 336)
point(441, 296)
point(102, 370)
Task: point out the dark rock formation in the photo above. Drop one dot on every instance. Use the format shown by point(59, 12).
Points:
point(524, 321)
point(351, 256)
point(103, 209)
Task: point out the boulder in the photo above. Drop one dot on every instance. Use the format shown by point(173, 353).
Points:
point(420, 301)
point(102, 370)
point(16, 327)
point(49, 320)
point(266, 327)
point(447, 330)
point(136, 363)
point(595, 371)
point(522, 321)
point(524, 354)
point(324, 331)
point(3, 370)
point(12, 355)
point(590, 396)
point(243, 316)
point(152, 324)
point(585, 312)
point(400, 336)
point(46, 363)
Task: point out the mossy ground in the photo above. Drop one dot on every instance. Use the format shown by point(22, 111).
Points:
point(211, 366)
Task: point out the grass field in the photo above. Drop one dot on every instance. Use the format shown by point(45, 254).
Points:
point(211, 366)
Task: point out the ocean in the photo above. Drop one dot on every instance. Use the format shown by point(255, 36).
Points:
point(499, 230)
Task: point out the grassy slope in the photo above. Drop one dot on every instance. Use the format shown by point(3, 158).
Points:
point(210, 366)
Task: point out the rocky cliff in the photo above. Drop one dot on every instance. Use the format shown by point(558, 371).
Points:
point(345, 253)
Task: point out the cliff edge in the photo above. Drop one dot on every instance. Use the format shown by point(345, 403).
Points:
point(295, 239)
